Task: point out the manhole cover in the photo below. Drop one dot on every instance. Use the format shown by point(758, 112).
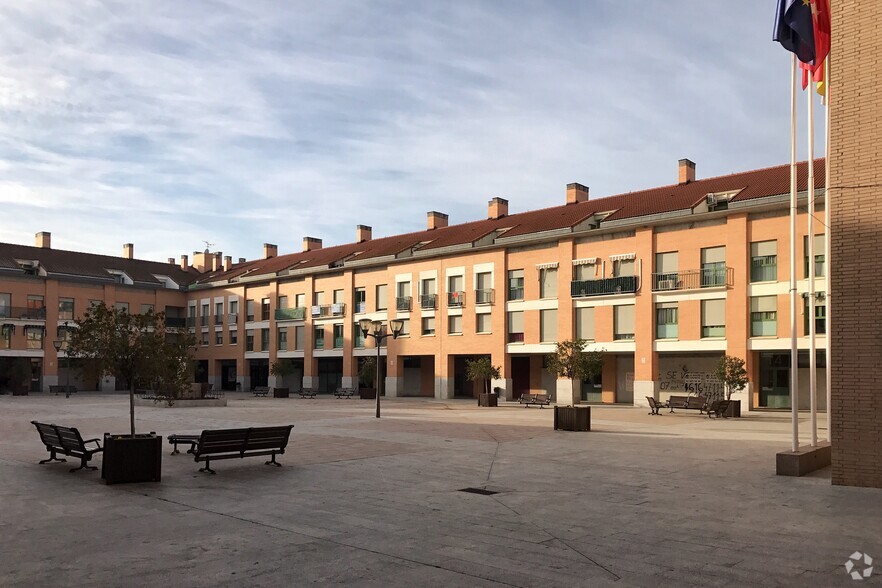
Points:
point(480, 491)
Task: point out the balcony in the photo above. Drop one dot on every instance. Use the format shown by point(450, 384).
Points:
point(429, 301)
point(326, 310)
point(456, 299)
point(218, 319)
point(191, 321)
point(484, 296)
point(23, 312)
point(232, 318)
point(175, 322)
point(403, 303)
point(693, 279)
point(360, 307)
point(203, 321)
point(291, 314)
point(605, 286)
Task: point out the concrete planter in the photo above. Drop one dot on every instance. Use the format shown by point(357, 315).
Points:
point(128, 459)
point(281, 392)
point(367, 393)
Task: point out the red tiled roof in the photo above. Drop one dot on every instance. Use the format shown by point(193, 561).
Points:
point(748, 185)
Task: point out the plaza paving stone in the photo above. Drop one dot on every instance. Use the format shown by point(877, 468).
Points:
point(641, 500)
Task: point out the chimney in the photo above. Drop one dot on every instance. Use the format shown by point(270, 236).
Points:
point(436, 220)
point(576, 193)
point(687, 171)
point(241, 260)
point(270, 250)
point(311, 244)
point(185, 262)
point(228, 263)
point(362, 233)
point(497, 208)
point(202, 260)
point(171, 261)
point(129, 251)
point(44, 240)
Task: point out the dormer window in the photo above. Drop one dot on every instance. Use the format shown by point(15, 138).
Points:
point(30, 267)
point(120, 277)
point(718, 200)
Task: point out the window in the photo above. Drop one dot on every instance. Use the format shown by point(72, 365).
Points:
point(317, 298)
point(666, 277)
point(713, 318)
point(65, 309)
point(548, 282)
point(548, 326)
point(381, 297)
point(146, 308)
point(249, 340)
point(402, 296)
point(516, 326)
point(454, 325)
point(265, 309)
point(713, 267)
point(35, 306)
point(204, 340)
point(338, 336)
point(357, 336)
point(234, 307)
point(482, 323)
point(428, 325)
point(218, 313)
point(300, 300)
point(516, 284)
point(318, 335)
point(264, 339)
point(123, 306)
point(428, 293)
point(623, 322)
point(234, 337)
point(360, 300)
point(582, 272)
point(483, 288)
point(6, 336)
point(5, 305)
point(282, 302)
point(34, 337)
point(299, 337)
point(820, 317)
point(818, 243)
point(585, 323)
point(94, 303)
point(763, 316)
point(282, 339)
point(405, 328)
point(249, 310)
point(338, 297)
point(666, 320)
point(455, 291)
point(764, 261)
point(218, 337)
point(623, 267)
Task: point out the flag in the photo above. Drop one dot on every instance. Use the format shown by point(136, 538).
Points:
point(817, 76)
point(794, 28)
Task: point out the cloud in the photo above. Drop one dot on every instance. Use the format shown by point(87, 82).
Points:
point(240, 123)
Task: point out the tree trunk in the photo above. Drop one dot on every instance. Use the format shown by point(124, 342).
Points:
point(132, 406)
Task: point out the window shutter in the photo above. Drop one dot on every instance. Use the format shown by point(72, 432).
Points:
point(763, 248)
point(516, 322)
point(666, 263)
point(624, 316)
point(713, 313)
point(585, 323)
point(713, 255)
point(548, 326)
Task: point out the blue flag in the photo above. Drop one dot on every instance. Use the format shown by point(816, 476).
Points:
point(794, 28)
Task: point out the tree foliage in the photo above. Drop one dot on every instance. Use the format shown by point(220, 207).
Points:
point(283, 367)
point(367, 374)
point(570, 360)
point(137, 348)
point(15, 374)
point(481, 369)
point(730, 370)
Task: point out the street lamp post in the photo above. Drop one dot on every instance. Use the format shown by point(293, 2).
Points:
point(374, 329)
point(59, 345)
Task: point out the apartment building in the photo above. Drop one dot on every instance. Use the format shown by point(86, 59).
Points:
point(662, 281)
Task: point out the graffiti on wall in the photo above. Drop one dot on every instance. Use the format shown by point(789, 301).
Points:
point(698, 383)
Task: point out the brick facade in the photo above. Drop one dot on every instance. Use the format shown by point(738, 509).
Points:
point(856, 197)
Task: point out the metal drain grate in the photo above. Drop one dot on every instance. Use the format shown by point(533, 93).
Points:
point(481, 491)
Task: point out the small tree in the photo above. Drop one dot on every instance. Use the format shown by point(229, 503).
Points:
point(481, 369)
point(367, 374)
point(134, 347)
point(570, 360)
point(281, 368)
point(730, 371)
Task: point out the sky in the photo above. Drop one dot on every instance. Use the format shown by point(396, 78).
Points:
point(170, 124)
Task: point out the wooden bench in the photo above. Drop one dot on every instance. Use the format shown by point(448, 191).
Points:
point(308, 392)
point(344, 392)
point(67, 441)
point(698, 403)
point(66, 390)
point(540, 400)
point(260, 390)
point(241, 443)
point(655, 405)
point(192, 440)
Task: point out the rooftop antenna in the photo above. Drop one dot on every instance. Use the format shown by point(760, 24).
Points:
point(208, 245)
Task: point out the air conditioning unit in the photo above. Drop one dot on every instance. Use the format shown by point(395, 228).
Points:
point(666, 285)
point(711, 200)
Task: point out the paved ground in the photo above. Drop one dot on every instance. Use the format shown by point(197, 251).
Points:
point(640, 501)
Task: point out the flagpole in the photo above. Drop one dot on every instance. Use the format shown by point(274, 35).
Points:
point(813, 384)
point(794, 390)
point(828, 355)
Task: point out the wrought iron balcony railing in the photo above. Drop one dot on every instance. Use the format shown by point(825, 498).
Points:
point(175, 322)
point(693, 279)
point(23, 312)
point(428, 301)
point(325, 310)
point(604, 286)
point(484, 296)
point(456, 299)
point(403, 303)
